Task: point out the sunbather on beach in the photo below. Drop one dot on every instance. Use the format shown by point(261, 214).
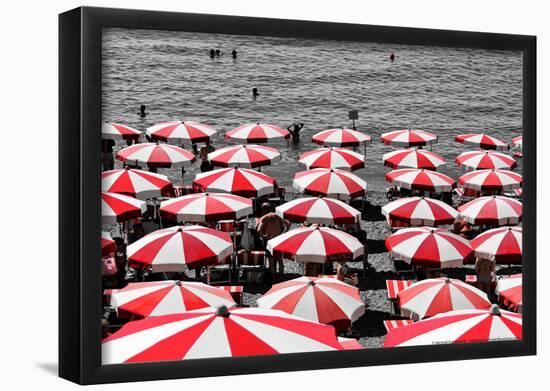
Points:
point(205, 150)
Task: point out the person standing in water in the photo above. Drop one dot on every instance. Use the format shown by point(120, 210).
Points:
point(212, 53)
point(255, 93)
point(294, 130)
point(142, 111)
point(234, 53)
point(392, 57)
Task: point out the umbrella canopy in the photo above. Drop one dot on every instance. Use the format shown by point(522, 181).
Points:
point(437, 295)
point(157, 298)
point(169, 249)
point(502, 245)
point(317, 210)
point(220, 332)
point(341, 138)
point(116, 208)
point(239, 181)
point(480, 160)
point(316, 244)
point(244, 156)
point(331, 157)
point(413, 158)
point(517, 141)
point(459, 327)
point(491, 180)
point(429, 247)
point(419, 211)
point(155, 155)
point(510, 291)
point(114, 131)
point(329, 182)
point(205, 207)
point(408, 138)
point(136, 183)
point(481, 140)
point(257, 133)
point(179, 132)
point(492, 210)
point(421, 179)
point(324, 300)
point(108, 245)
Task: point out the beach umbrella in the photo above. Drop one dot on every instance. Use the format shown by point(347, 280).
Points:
point(244, 156)
point(421, 179)
point(206, 207)
point(331, 157)
point(257, 133)
point(324, 300)
point(480, 160)
point(179, 132)
point(491, 180)
point(136, 183)
point(481, 140)
point(429, 247)
point(329, 182)
point(437, 295)
point(171, 249)
point(108, 245)
point(239, 181)
point(413, 158)
point(419, 211)
point(317, 210)
point(316, 244)
point(155, 155)
point(117, 208)
point(216, 332)
point(492, 210)
point(114, 131)
point(517, 141)
point(341, 138)
point(350, 343)
point(461, 326)
point(510, 292)
point(157, 298)
point(502, 245)
point(408, 138)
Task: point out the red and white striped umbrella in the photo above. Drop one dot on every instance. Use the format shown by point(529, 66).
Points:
point(170, 249)
point(205, 207)
point(114, 131)
point(239, 181)
point(517, 141)
point(480, 160)
point(108, 245)
point(341, 138)
point(350, 343)
point(421, 179)
point(413, 158)
point(429, 247)
point(437, 295)
point(179, 132)
point(157, 298)
point(317, 210)
point(116, 207)
point(464, 326)
point(136, 183)
point(510, 291)
point(244, 156)
point(316, 244)
point(329, 182)
point(502, 245)
point(216, 332)
point(324, 300)
point(257, 133)
point(481, 140)
point(408, 138)
point(330, 157)
point(155, 155)
point(420, 211)
point(492, 210)
point(491, 180)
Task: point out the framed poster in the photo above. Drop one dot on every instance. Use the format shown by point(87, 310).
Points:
point(245, 195)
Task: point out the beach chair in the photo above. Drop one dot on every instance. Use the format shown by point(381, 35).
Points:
point(278, 197)
point(233, 228)
point(236, 291)
point(216, 273)
point(251, 264)
point(395, 323)
point(393, 287)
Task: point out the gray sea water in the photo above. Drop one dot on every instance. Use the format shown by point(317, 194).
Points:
point(443, 90)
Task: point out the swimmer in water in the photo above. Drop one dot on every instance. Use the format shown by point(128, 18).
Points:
point(142, 113)
point(218, 52)
point(255, 92)
point(212, 53)
point(234, 53)
point(392, 57)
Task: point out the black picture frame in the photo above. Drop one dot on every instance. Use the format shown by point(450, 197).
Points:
point(80, 61)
